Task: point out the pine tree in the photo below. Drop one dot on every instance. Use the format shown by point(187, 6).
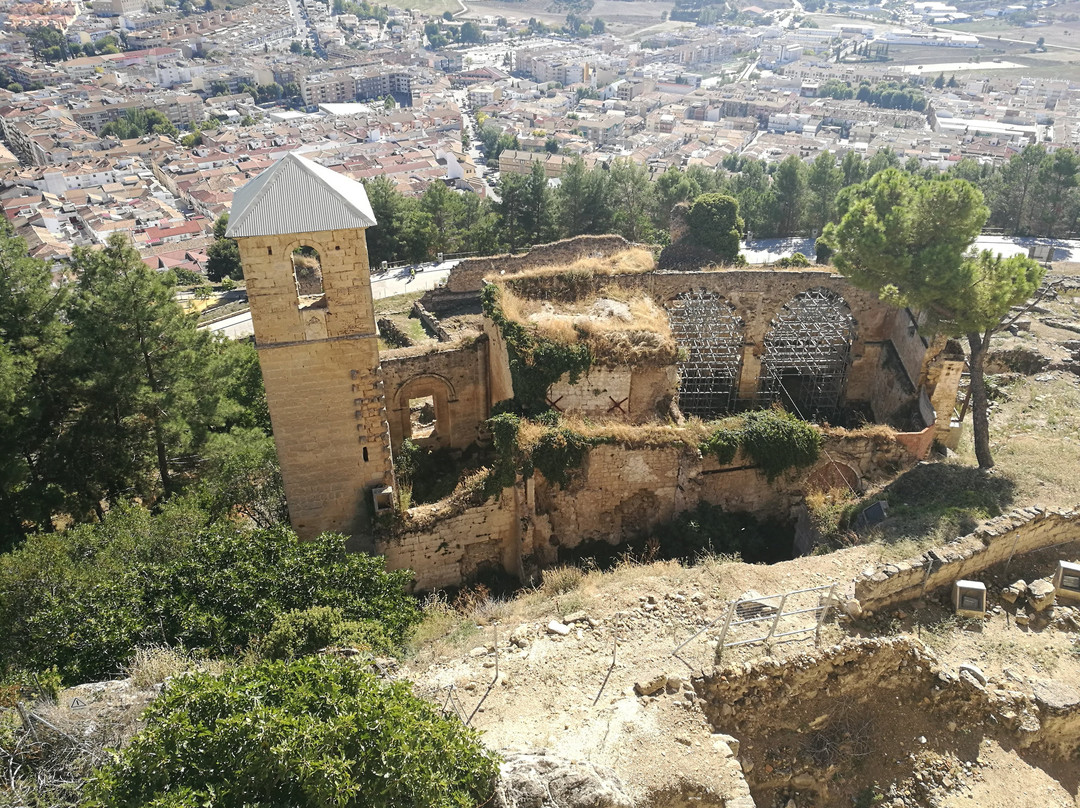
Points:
point(34, 389)
point(145, 402)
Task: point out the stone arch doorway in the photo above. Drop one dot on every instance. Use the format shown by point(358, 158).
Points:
point(710, 339)
point(808, 353)
point(422, 411)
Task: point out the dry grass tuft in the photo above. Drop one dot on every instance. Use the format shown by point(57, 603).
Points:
point(154, 664)
point(877, 432)
point(560, 580)
point(575, 304)
point(635, 261)
point(632, 436)
point(633, 329)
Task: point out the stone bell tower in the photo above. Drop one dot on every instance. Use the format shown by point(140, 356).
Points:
point(300, 230)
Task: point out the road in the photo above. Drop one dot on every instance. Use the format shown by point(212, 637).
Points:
point(767, 250)
point(397, 281)
point(993, 37)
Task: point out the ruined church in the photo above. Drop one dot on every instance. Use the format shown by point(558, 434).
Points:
point(667, 351)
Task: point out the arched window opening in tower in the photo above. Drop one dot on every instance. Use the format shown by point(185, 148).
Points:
point(807, 355)
point(307, 270)
point(710, 339)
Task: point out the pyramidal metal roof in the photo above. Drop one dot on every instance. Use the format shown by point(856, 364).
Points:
point(296, 195)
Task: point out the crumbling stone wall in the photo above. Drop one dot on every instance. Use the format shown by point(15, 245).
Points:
point(1015, 533)
point(623, 493)
point(468, 276)
point(451, 548)
point(454, 375)
point(618, 494)
point(634, 393)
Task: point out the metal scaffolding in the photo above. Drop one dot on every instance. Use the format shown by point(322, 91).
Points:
point(807, 352)
point(710, 335)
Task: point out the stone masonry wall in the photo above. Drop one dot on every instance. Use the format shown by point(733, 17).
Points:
point(597, 393)
point(455, 375)
point(621, 494)
point(1015, 533)
point(455, 548)
point(468, 276)
point(321, 370)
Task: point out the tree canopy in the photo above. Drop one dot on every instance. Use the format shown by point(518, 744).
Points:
point(308, 733)
point(108, 392)
point(715, 223)
point(910, 241)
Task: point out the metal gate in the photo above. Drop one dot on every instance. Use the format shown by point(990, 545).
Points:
point(768, 619)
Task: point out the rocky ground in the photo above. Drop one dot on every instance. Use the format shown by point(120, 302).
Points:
point(969, 713)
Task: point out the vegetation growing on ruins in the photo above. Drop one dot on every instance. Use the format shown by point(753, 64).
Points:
point(535, 363)
point(774, 440)
point(723, 444)
point(707, 531)
point(556, 451)
point(312, 732)
point(574, 306)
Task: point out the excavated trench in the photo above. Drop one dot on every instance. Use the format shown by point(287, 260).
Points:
point(873, 720)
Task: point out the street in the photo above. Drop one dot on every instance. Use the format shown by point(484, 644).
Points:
point(397, 281)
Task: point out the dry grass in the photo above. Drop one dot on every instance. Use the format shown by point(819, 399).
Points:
point(618, 327)
point(1034, 437)
point(156, 663)
point(635, 261)
point(574, 304)
point(468, 493)
point(879, 432)
point(560, 580)
point(631, 436)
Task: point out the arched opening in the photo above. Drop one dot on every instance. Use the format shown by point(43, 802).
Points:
point(807, 354)
point(710, 338)
point(422, 412)
point(307, 272)
point(422, 418)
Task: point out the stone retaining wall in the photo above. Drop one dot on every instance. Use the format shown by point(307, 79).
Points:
point(446, 551)
point(1015, 533)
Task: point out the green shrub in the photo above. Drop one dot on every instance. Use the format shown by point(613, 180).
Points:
point(558, 452)
point(793, 260)
point(777, 441)
point(504, 430)
point(83, 600)
point(822, 251)
point(724, 443)
point(406, 461)
point(300, 632)
point(311, 732)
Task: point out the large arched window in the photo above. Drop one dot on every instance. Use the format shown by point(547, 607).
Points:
point(307, 271)
point(807, 354)
point(710, 338)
